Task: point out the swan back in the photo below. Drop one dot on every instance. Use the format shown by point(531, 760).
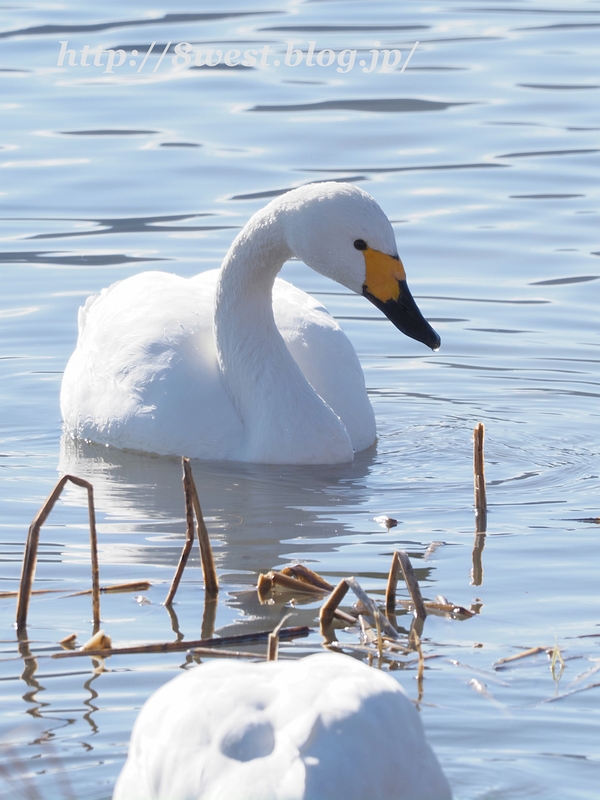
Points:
point(323, 727)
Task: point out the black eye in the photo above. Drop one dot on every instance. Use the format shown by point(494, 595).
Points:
point(360, 244)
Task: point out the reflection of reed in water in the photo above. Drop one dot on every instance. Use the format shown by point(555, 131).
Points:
point(480, 505)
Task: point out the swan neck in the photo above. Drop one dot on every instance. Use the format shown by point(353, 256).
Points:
point(285, 420)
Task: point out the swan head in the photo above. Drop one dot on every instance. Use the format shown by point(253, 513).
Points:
point(341, 232)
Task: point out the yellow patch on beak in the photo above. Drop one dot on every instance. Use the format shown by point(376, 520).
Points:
point(383, 275)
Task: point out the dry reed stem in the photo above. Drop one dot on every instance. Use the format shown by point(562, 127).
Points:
point(279, 580)
point(531, 652)
point(308, 576)
point(264, 584)
point(272, 646)
point(192, 506)
point(568, 694)
point(212, 652)
point(117, 588)
point(211, 582)
point(411, 582)
point(390, 592)
point(479, 479)
point(189, 541)
point(31, 549)
point(169, 647)
point(330, 605)
point(381, 621)
point(134, 586)
point(15, 593)
point(442, 608)
point(344, 617)
point(273, 640)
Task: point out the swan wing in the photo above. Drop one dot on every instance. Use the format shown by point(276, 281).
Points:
point(144, 374)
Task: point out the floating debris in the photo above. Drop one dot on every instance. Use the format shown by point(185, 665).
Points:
point(118, 588)
point(532, 651)
point(169, 647)
point(386, 522)
point(99, 641)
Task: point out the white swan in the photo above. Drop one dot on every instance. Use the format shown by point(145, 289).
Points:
point(324, 727)
point(237, 364)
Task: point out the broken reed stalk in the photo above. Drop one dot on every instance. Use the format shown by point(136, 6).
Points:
point(189, 541)
point(532, 651)
point(192, 506)
point(308, 577)
point(479, 479)
point(330, 605)
point(211, 582)
point(279, 580)
point(273, 641)
point(116, 588)
point(400, 560)
point(392, 584)
point(381, 621)
point(31, 550)
point(169, 647)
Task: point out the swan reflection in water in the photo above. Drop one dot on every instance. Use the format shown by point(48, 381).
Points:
point(258, 516)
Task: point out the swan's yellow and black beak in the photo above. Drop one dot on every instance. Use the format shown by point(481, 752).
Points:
point(385, 286)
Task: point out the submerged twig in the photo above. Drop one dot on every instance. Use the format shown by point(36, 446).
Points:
point(532, 651)
point(415, 641)
point(213, 652)
point(442, 608)
point(568, 694)
point(117, 588)
point(168, 647)
point(31, 548)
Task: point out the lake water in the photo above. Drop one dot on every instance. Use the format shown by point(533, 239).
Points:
point(484, 153)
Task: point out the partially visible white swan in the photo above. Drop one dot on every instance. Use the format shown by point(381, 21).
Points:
point(237, 364)
point(325, 727)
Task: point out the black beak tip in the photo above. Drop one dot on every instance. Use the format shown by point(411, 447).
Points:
point(405, 315)
point(435, 342)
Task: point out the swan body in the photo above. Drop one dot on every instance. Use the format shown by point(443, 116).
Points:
point(324, 727)
point(237, 364)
